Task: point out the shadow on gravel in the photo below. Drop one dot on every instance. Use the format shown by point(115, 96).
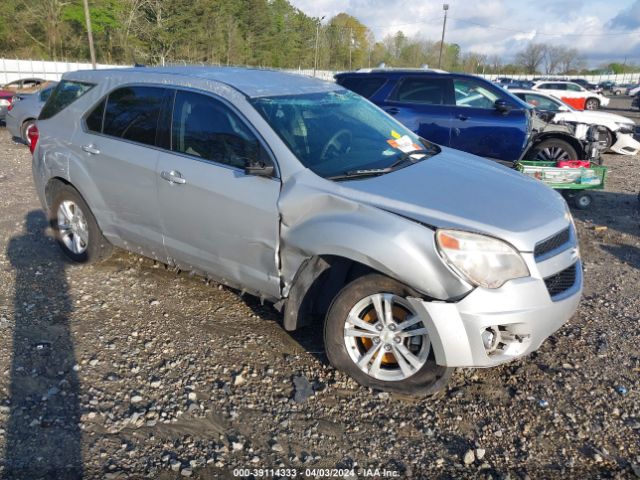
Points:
point(625, 253)
point(43, 434)
point(616, 211)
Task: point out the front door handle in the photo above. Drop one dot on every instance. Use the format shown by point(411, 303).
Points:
point(463, 117)
point(392, 110)
point(174, 177)
point(90, 149)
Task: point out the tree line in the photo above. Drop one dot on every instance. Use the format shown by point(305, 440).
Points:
point(268, 33)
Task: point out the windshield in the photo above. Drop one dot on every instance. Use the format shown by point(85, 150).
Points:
point(334, 133)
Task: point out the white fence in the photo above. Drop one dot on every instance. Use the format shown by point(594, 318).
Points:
point(11, 69)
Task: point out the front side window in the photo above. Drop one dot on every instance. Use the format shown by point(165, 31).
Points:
point(65, 93)
point(428, 91)
point(205, 128)
point(573, 87)
point(132, 113)
point(340, 133)
point(471, 93)
point(541, 103)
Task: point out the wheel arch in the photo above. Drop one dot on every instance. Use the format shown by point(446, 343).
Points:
point(315, 285)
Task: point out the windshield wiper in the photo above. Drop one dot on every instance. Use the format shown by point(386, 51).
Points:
point(374, 172)
point(369, 172)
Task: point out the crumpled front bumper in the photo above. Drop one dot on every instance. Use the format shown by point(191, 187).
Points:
point(625, 144)
point(522, 310)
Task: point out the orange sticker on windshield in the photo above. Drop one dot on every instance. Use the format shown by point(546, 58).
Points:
point(404, 144)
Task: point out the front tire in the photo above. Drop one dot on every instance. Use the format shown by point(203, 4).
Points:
point(592, 104)
point(553, 150)
point(27, 126)
point(372, 333)
point(76, 230)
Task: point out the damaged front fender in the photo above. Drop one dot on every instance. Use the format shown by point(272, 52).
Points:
point(319, 223)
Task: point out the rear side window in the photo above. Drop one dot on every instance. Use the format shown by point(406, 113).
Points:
point(45, 94)
point(65, 93)
point(132, 113)
point(365, 86)
point(429, 91)
point(206, 128)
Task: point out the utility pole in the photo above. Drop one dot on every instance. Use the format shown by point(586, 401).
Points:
point(445, 7)
point(315, 59)
point(350, 45)
point(87, 19)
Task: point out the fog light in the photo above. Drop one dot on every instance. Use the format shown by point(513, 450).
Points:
point(490, 338)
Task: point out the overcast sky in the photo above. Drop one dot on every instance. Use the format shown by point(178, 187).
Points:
point(602, 30)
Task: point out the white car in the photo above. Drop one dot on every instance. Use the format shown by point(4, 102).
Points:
point(619, 129)
point(573, 94)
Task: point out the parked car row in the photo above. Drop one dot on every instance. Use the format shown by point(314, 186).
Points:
point(16, 90)
point(418, 258)
point(471, 114)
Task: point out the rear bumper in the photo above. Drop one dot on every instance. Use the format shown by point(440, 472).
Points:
point(522, 310)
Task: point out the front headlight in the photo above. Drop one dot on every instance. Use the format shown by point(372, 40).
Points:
point(626, 127)
point(481, 260)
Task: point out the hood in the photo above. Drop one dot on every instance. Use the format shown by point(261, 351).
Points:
point(595, 117)
point(457, 190)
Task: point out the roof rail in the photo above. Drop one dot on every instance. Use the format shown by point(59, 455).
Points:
point(424, 68)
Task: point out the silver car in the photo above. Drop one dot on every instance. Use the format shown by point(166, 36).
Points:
point(417, 258)
point(21, 118)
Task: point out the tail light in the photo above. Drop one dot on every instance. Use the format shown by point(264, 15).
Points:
point(10, 107)
point(33, 135)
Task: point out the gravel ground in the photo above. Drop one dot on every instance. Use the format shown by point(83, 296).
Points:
point(129, 370)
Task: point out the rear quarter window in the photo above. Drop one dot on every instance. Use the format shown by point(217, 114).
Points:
point(365, 86)
point(428, 91)
point(65, 93)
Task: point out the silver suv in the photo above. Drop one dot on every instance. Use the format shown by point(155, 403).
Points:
point(416, 257)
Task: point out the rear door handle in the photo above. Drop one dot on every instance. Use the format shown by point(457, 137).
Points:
point(392, 110)
point(90, 149)
point(173, 176)
point(463, 117)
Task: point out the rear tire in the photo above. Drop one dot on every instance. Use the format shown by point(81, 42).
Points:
point(552, 150)
point(75, 228)
point(392, 357)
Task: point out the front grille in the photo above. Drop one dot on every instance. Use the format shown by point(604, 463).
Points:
point(562, 281)
point(552, 243)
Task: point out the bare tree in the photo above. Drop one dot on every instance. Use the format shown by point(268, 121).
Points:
point(531, 57)
point(553, 57)
point(571, 60)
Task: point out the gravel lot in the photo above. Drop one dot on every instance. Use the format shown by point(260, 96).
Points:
point(129, 370)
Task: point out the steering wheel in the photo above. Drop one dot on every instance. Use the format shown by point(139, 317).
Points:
point(338, 144)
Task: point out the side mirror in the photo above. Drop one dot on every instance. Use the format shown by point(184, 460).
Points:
point(502, 106)
point(260, 164)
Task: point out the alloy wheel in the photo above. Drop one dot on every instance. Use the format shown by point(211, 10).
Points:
point(552, 154)
point(73, 227)
point(385, 338)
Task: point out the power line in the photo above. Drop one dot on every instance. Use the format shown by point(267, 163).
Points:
point(495, 27)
